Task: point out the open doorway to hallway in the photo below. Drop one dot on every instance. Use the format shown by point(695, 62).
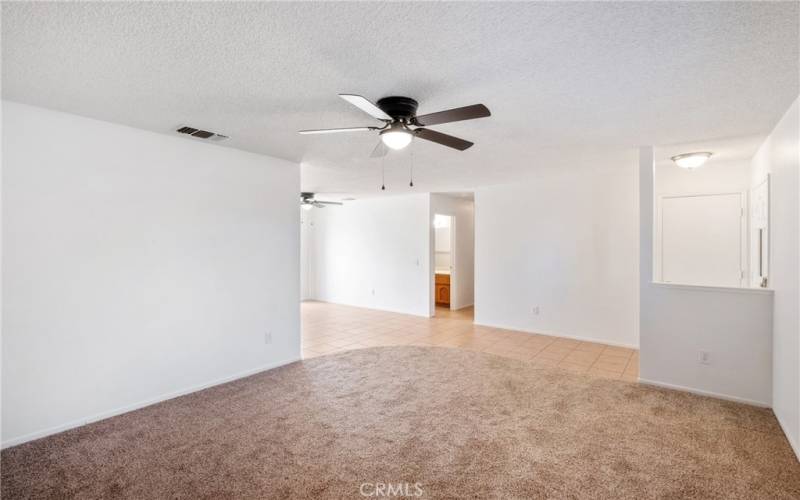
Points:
point(452, 252)
point(444, 250)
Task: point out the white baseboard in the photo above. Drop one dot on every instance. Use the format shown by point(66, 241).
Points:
point(559, 334)
point(373, 308)
point(795, 447)
point(701, 392)
point(141, 404)
point(727, 397)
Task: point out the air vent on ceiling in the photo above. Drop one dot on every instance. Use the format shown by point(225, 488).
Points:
point(202, 134)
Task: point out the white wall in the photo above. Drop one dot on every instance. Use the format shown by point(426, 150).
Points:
point(567, 245)
point(462, 283)
point(733, 325)
point(677, 322)
point(713, 177)
point(779, 156)
point(373, 253)
point(306, 254)
point(137, 266)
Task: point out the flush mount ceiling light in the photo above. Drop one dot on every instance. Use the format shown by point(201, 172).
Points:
point(397, 136)
point(690, 161)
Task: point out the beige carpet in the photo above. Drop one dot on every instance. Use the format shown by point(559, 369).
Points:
point(459, 423)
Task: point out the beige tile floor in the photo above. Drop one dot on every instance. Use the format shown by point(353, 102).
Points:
point(329, 328)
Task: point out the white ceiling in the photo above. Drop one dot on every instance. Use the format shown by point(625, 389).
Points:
point(570, 85)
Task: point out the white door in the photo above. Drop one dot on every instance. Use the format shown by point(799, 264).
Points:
point(701, 240)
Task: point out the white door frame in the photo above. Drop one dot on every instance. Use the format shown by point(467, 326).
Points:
point(759, 260)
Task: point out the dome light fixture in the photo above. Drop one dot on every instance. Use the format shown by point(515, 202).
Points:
point(397, 136)
point(691, 161)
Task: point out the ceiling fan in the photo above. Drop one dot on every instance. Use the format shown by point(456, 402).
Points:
point(308, 202)
point(401, 123)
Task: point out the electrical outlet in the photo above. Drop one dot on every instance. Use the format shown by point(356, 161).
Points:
point(704, 358)
point(535, 310)
point(373, 291)
point(268, 338)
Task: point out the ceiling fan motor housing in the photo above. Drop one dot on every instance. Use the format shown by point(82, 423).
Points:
point(399, 107)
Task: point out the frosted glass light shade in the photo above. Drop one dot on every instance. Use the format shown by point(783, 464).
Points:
point(691, 161)
point(396, 138)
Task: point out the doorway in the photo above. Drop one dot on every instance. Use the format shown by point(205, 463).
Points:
point(444, 255)
point(451, 269)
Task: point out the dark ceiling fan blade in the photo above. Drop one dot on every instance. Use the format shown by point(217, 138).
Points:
point(366, 106)
point(453, 115)
point(336, 130)
point(380, 150)
point(443, 139)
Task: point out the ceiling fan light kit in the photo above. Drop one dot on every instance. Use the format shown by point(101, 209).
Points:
point(397, 136)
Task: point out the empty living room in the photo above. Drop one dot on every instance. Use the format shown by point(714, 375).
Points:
point(408, 249)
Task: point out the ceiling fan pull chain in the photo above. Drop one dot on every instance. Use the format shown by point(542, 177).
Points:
point(383, 175)
point(411, 170)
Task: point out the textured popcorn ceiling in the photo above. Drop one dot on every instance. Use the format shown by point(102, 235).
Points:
point(570, 85)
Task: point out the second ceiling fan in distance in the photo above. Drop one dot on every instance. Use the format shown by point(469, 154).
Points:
point(401, 122)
